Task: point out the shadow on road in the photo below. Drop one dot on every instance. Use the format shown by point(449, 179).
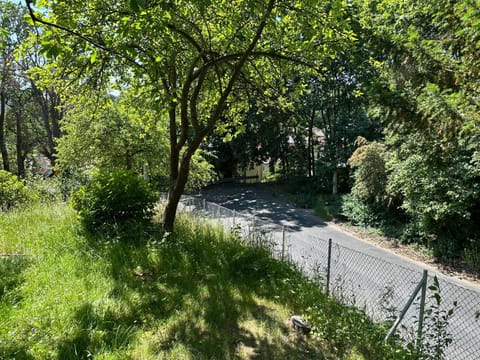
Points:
point(263, 201)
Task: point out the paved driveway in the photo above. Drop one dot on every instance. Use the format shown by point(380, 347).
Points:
point(362, 273)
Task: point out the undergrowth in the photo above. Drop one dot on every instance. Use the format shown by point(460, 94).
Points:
point(199, 293)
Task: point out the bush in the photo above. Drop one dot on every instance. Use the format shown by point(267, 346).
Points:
point(45, 189)
point(328, 206)
point(13, 192)
point(358, 212)
point(471, 254)
point(116, 198)
point(370, 174)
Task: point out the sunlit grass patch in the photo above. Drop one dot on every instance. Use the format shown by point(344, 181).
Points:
point(198, 293)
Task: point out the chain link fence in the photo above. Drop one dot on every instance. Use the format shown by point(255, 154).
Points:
point(449, 327)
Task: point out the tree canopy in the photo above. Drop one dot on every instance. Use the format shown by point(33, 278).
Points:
point(162, 86)
point(191, 54)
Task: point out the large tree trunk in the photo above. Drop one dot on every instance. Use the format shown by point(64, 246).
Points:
point(19, 145)
point(310, 146)
point(51, 115)
point(335, 182)
point(188, 115)
point(174, 194)
point(174, 190)
point(3, 146)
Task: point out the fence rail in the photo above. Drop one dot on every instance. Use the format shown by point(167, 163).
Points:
point(447, 315)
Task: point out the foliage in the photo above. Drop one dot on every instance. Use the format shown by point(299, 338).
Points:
point(335, 103)
point(359, 212)
point(192, 296)
point(113, 132)
point(436, 337)
point(370, 174)
point(45, 189)
point(112, 199)
point(471, 254)
point(439, 186)
point(13, 192)
point(329, 207)
point(369, 203)
point(191, 56)
point(201, 172)
point(300, 191)
point(28, 113)
point(145, 84)
point(427, 87)
point(308, 193)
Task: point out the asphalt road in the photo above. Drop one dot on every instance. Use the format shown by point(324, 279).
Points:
point(361, 273)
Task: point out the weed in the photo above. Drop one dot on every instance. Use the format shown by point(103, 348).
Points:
point(436, 337)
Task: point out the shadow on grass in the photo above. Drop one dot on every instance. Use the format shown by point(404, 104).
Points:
point(11, 271)
point(195, 291)
point(11, 278)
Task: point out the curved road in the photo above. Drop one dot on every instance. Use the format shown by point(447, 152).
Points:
point(361, 273)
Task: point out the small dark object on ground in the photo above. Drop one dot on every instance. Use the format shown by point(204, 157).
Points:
point(301, 324)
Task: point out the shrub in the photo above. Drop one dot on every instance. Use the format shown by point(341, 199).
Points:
point(471, 254)
point(370, 174)
point(358, 212)
point(328, 206)
point(113, 199)
point(45, 189)
point(13, 192)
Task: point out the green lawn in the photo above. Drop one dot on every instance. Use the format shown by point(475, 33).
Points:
point(199, 294)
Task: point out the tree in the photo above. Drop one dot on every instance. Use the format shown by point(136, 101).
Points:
point(370, 175)
point(191, 53)
point(427, 59)
point(20, 115)
point(439, 187)
point(113, 132)
point(10, 36)
point(336, 104)
point(268, 121)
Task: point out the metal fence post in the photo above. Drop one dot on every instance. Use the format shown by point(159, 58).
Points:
point(283, 243)
point(422, 308)
point(420, 286)
point(233, 218)
point(329, 263)
point(204, 204)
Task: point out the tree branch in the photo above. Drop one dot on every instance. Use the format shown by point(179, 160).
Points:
point(87, 39)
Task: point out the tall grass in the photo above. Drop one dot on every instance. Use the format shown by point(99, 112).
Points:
point(197, 294)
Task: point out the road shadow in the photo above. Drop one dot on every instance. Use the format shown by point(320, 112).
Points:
point(264, 201)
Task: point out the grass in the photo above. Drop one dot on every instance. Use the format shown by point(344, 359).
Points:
point(198, 294)
point(326, 206)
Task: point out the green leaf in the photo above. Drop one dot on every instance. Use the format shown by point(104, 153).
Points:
point(93, 58)
point(136, 5)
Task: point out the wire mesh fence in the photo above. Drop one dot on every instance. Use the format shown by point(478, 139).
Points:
point(451, 328)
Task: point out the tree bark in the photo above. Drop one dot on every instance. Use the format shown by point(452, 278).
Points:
point(335, 182)
point(19, 145)
point(310, 146)
point(3, 146)
point(175, 193)
point(189, 97)
point(48, 102)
